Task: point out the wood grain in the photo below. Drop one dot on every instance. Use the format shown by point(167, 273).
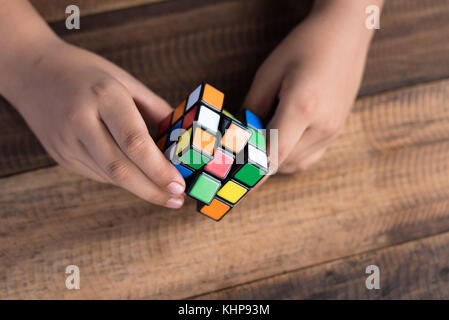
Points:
point(414, 270)
point(54, 10)
point(385, 182)
point(173, 45)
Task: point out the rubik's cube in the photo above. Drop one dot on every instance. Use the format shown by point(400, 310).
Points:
point(220, 157)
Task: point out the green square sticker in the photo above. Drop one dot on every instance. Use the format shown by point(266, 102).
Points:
point(194, 159)
point(258, 139)
point(249, 174)
point(204, 188)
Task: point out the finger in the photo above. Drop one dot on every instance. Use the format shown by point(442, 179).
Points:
point(80, 168)
point(306, 163)
point(303, 164)
point(264, 89)
point(128, 129)
point(310, 141)
point(119, 169)
point(291, 125)
point(76, 166)
point(152, 107)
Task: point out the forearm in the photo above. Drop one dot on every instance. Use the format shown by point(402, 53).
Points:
point(23, 35)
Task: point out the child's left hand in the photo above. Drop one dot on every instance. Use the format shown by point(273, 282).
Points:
point(315, 73)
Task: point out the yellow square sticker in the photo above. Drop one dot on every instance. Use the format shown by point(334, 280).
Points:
point(232, 192)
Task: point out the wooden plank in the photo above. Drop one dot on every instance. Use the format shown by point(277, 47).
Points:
point(54, 10)
point(20, 149)
point(411, 47)
point(173, 45)
point(414, 270)
point(386, 181)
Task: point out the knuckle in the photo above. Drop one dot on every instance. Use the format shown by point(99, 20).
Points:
point(308, 105)
point(282, 153)
point(135, 142)
point(103, 90)
point(74, 117)
point(288, 169)
point(117, 171)
point(331, 128)
point(302, 166)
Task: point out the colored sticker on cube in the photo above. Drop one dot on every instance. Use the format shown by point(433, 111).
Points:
point(178, 112)
point(216, 209)
point(204, 141)
point(235, 137)
point(194, 159)
point(252, 120)
point(161, 143)
point(232, 191)
point(164, 125)
point(221, 164)
point(189, 118)
point(258, 139)
point(204, 188)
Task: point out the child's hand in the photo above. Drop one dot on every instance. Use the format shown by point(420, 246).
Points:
point(315, 73)
point(89, 115)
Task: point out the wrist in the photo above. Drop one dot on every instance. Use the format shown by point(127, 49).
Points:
point(21, 61)
point(25, 40)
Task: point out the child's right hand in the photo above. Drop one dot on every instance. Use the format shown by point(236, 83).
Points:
point(89, 115)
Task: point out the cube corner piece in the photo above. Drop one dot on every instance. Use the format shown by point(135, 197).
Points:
point(216, 210)
point(207, 94)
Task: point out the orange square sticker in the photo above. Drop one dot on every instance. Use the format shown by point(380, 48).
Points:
point(213, 97)
point(162, 141)
point(216, 209)
point(204, 141)
point(235, 138)
point(179, 111)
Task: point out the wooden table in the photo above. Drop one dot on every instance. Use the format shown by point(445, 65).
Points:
point(379, 196)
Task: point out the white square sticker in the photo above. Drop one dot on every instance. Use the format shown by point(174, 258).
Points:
point(257, 156)
point(208, 119)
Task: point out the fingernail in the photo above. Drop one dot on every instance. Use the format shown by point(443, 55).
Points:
point(174, 203)
point(175, 188)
